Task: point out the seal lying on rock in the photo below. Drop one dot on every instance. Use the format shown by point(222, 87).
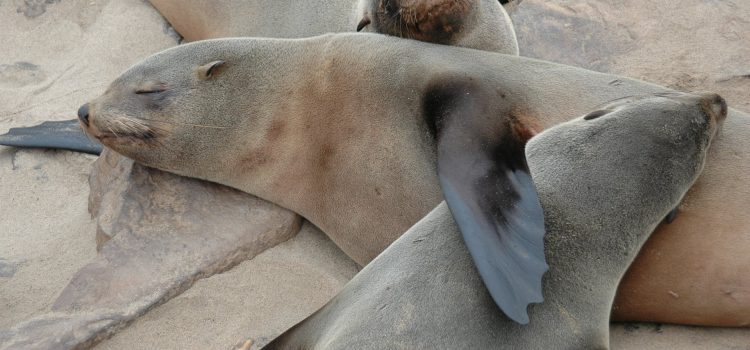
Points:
point(479, 24)
point(298, 135)
point(507, 241)
point(605, 181)
point(667, 283)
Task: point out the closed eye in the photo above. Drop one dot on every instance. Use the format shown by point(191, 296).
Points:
point(150, 91)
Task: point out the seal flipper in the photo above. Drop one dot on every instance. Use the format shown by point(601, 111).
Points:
point(66, 134)
point(486, 182)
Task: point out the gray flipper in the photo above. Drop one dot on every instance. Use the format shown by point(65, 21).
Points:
point(486, 183)
point(66, 134)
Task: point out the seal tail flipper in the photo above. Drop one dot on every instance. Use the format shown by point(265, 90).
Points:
point(487, 185)
point(65, 134)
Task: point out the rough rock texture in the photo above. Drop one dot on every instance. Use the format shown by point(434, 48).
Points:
point(695, 45)
point(159, 239)
point(258, 299)
point(162, 240)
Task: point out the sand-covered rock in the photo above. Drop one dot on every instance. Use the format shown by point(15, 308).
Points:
point(693, 45)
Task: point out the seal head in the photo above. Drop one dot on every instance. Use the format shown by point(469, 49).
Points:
point(477, 24)
point(437, 21)
point(154, 113)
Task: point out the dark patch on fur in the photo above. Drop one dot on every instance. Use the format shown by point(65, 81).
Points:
point(327, 152)
point(254, 158)
point(275, 130)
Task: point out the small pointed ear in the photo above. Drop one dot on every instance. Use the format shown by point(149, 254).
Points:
point(209, 70)
point(364, 23)
point(487, 185)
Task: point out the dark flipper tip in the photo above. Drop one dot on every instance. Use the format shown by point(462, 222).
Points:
point(52, 134)
point(488, 187)
point(507, 247)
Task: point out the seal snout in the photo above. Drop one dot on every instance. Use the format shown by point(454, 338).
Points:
point(714, 105)
point(83, 114)
point(436, 21)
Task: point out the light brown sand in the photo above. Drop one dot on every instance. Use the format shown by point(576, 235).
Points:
point(77, 46)
point(46, 231)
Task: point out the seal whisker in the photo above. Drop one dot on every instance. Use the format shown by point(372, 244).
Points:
point(140, 126)
point(124, 126)
point(186, 124)
point(112, 131)
point(133, 127)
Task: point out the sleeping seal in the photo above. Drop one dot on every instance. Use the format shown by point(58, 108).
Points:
point(505, 241)
point(331, 127)
point(479, 24)
point(605, 181)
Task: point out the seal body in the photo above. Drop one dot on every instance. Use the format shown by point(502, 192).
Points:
point(424, 292)
point(331, 127)
point(202, 19)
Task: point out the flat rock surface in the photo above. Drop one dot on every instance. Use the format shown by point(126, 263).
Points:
point(691, 45)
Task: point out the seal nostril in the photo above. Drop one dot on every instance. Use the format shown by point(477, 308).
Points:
point(714, 105)
point(722, 106)
point(83, 114)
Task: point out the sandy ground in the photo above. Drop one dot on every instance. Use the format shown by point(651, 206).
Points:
point(63, 55)
point(46, 230)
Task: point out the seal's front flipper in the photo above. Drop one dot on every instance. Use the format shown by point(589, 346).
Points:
point(52, 134)
point(486, 183)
